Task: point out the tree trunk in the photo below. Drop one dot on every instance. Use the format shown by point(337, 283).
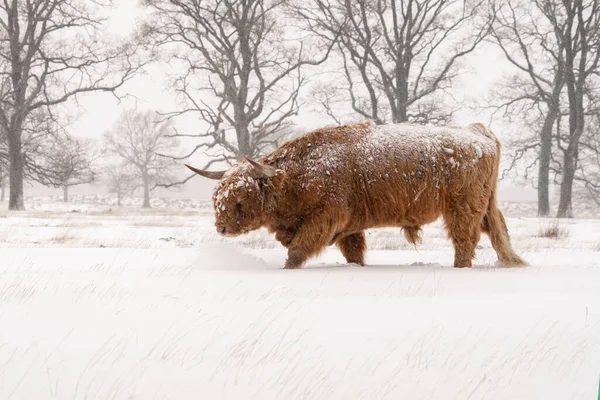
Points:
point(544, 181)
point(244, 146)
point(576, 129)
point(546, 144)
point(400, 114)
point(118, 198)
point(146, 191)
point(565, 208)
point(15, 197)
point(544, 169)
point(65, 194)
point(2, 186)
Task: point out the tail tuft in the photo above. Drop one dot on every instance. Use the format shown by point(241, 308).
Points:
point(495, 226)
point(493, 222)
point(412, 234)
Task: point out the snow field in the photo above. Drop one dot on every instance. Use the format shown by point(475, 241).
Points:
point(152, 305)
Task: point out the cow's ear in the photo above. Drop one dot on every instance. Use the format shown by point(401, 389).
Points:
point(261, 170)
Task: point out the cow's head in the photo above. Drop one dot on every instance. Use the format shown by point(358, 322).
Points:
point(245, 195)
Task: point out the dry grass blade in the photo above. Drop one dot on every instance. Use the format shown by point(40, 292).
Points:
point(553, 231)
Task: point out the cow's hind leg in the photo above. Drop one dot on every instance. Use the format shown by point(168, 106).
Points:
point(465, 230)
point(353, 248)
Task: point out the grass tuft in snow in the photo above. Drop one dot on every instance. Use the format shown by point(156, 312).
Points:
point(553, 230)
point(63, 236)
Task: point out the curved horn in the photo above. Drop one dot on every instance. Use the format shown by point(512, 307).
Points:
point(261, 170)
point(207, 174)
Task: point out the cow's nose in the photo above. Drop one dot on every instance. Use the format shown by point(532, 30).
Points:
point(221, 230)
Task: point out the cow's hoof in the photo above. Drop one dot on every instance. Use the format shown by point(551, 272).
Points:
point(355, 264)
point(500, 264)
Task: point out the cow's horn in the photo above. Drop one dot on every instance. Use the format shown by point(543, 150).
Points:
point(207, 174)
point(261, 170)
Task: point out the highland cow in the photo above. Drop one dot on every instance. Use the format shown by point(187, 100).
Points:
point(330, 185)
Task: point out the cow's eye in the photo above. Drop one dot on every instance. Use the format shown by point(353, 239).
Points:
point(238, 206)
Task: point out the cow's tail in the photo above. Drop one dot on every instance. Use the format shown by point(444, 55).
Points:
point(495, 226)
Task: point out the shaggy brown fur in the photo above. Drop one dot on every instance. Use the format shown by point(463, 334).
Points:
point(329, 185)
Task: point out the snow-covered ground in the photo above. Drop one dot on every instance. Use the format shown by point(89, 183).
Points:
point(100, 302)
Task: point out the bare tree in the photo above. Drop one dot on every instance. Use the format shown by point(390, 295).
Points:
point(531, 43)
point(71, 163)
point(554, 45)
point(51, 51)
point(121, 180)
point(397, 56)
point(239, 72)
point(139, 140)
point(581, 41)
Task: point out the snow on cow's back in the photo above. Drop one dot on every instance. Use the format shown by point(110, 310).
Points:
point(326, 150)
point(320, 152)
point(410, 139)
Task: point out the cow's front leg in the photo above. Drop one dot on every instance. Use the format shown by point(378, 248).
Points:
point(309, 240)
point(285, 236)
point(295, 259)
